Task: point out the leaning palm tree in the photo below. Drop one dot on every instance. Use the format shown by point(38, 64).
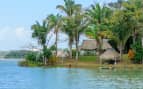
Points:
point(40, 32)
point(55, 22)
point(69, 8)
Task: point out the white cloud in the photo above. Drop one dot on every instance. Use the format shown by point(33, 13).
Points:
point(14, 37)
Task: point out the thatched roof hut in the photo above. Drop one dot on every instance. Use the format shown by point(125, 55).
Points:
point(106, 45)
point(62, 53)
point(110, 54)
point(92, 45)
point(89, 45)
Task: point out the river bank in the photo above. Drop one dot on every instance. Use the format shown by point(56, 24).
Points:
point(80, 64)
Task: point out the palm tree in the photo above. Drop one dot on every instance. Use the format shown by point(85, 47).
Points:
point(40, 32)
point(99, 21)
point(134, 10)
point(55, 22)
point(121, 29)
point(81, 24)
point(69, 8)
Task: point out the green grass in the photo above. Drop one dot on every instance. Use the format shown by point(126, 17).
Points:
point(87, 58)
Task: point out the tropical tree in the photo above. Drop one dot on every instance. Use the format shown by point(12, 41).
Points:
point(122, 22)
point(69, 8)
point(40, 32)
point(134, 10)
point(55, 22)
point(99, 22)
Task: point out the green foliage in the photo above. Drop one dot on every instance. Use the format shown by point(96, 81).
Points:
point(137, 47)
point(14, 54)
point(40, 32)
point(53, 48)
point(47, 53)
point(73, 52)
point(31, 56)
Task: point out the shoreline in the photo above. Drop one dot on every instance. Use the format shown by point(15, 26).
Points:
point(85, 65)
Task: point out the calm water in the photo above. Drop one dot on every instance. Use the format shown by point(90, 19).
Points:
point(15, 77)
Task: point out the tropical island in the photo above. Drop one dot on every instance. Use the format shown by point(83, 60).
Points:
point(114, 33)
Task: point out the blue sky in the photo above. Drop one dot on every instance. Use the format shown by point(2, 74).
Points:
point(17, 16)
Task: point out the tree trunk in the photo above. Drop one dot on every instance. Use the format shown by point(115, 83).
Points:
point(77, 51)
point(44, 58)
point(70, 52)
point(121, 54)
point(134, 36)
point(56, 43)
point(45, 61)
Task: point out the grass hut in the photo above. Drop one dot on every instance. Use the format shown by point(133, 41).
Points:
point(110, 54)
point(92, 45)
point(89, 45)
point(106, 45)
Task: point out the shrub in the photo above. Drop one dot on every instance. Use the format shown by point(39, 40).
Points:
point(131, 54)
point(47, 53)
point(31, 56)
point(138, 52)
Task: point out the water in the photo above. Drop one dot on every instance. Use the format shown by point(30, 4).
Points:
point(15, 77)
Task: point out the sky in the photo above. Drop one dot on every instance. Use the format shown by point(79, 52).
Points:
point(17, 16)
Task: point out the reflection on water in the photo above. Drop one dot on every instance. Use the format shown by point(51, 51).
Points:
point(14, 77)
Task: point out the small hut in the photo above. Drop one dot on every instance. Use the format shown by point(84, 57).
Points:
point(106, 45)
point(62, 54)
point(89, 45)
point(110, 54)
point(92, 45)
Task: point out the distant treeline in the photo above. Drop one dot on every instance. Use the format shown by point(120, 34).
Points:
point(14, 54)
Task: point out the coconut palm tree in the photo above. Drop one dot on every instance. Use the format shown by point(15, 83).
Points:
point(122, 22)
point(55, 22)
point(134, 10)
point(99, 21)
point(81, 24)
point(69, 8)
point(40, 32)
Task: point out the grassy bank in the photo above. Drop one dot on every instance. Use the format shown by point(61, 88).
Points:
point(86, 62)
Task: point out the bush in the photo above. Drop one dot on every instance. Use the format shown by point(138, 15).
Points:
point(137, 47)
point(53, 48)
point(73, 53)
point(39, 57)
point(47, 53)
point(31, 56)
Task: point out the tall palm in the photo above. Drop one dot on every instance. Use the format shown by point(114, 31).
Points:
point(99, 21)
point(134, 10)
point(122, 22)
point(55, 22)
point(81, 24)
point(40, 33)
point(69, 8)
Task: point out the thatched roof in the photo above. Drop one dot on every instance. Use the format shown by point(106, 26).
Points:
point(110, 54)
point(106, 45)
point(89, 45)
point(92, 45)
point(61, 53)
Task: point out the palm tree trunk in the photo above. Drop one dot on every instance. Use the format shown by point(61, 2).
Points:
point(70, 52)
point(77, 51)
point(44, 58)
point(121, 52)
point(56, 43)
point(134, 36)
